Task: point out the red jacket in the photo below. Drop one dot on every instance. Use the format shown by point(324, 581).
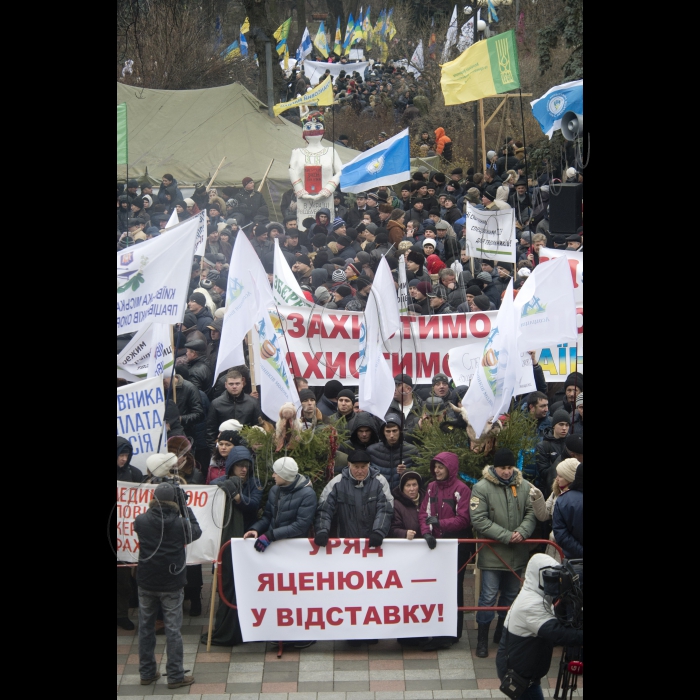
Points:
point(448, 499)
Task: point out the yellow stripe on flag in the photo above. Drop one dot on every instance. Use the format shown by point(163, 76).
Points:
point(468, 77)
point(322, 94)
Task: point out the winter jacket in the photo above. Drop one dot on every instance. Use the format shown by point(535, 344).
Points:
point(397, 232)
point(448, 500)
point(361, 508)
point(363, 419)
point(441, 140)
point(497, 511)
point(176, 195)
point(127, 472)
point(200, 372)
point(190, 406)
point(451, 249)
point(204, 319)
point(356, 215)
point(410, 422)
point(244, 408)
point(326, 406)
point(200, 427)
point(386, 458)
point(548, 454)
point(289, 511)
point(249, 203)
point(405, 514)
point(163, 535)
point(532, 629)
point(251, 490)
point(567, 521)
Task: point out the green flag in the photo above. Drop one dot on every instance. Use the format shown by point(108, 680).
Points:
point(122, 139)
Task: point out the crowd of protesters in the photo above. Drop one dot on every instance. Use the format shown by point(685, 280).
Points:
point(334, 258)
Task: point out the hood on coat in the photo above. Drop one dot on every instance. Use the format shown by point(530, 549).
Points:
point(533, 574)
point(123, 445)
point(439, 132)
point(318, 277)
point(450, 460)
point(238, 454)
point(364, 420)
point(549, 435)
point(486, 474)
point(300, 482)
point(396, 419)
point(327, 212)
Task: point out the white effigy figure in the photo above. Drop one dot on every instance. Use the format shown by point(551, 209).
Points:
point(314, 171)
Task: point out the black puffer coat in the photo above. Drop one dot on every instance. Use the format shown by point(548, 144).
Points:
point(244, 408)
point(387, 457)
point(127, 472)
point(548, 454)
point(361, 508)
point(190, 406)
point(163, 535)
point(289, 511)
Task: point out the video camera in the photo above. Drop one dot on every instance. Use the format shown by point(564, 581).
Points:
point(181, 496)
point(564, 586)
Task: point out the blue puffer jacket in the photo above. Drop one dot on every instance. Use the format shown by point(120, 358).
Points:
point(567, 520)
point(289, 511)
point(251, 491)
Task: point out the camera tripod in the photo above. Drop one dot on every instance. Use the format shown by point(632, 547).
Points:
point(569, 668)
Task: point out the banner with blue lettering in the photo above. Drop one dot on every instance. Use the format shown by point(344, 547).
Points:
point(153, 278)
point(140, 411)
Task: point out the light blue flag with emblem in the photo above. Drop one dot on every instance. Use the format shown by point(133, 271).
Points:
point(385, 164)
point(550, 108)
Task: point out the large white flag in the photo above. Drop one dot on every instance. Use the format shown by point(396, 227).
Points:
point(486, 392)
point(173, 220)
point(241, 302)
point(416, 65)
point(575, 258)
point(380, 323)
point(546, 307)
point(285, 288)
point(451, 38)
point(153, 279)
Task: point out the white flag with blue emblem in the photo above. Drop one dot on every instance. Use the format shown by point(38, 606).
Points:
point(380, 323)
point(385, 164)
point(552, 106)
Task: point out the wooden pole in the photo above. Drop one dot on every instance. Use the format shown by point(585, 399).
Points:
point(216, 173)
point(211, 605)
point(483, 133)
point(262, 182)
point(251, 360)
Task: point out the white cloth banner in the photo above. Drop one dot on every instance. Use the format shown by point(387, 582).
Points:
point(451, 37)
point(133, 361)
point(466, 35)
point(207, 503)
point(381, 322)
point(466, 358)
point(416, 65)
point(491, 234)
point(201, 240)
point(140, 410)
point(297, 591)
point(285, 288)
point(324, 345)
point(161, 350)
point(315, 69)
point(545, 307)
point(575, 259)
point(153, 278)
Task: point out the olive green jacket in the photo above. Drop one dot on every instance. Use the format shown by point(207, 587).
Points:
point(497, 511)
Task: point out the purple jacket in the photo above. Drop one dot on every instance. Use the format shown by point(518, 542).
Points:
point(448, 499)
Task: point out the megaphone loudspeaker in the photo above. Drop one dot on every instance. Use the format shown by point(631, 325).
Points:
point(572, 126)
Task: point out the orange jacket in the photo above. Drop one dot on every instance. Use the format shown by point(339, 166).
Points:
point(441, 140)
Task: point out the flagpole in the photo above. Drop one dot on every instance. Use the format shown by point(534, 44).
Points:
point(483, 133)
point(522, 121)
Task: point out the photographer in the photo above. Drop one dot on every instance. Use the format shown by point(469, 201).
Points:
point(532, 631)
point(163, 532)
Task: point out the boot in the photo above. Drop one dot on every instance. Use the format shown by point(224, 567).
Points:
point(499, 630)
point(482, 642)
point(196, 606)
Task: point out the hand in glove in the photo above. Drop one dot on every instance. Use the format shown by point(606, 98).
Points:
point(432, 520)
point(232, 486)
point(321, 539)
point(376, 540)
point(432, 542)
point(535, 493)
point(262, 543)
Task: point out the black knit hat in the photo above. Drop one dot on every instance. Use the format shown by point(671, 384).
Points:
point(306, 394)
point(417, 258)
point(504, 458)
point(561, 416)
point(332, 389)
point(347, 394)
point(574, 443)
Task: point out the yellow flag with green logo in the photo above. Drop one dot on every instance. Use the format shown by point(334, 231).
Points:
point(322, 94)
point(485, 69)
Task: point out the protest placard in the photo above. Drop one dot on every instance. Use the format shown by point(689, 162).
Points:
point(490, 234)
point(345, 590)
point(207, 503)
